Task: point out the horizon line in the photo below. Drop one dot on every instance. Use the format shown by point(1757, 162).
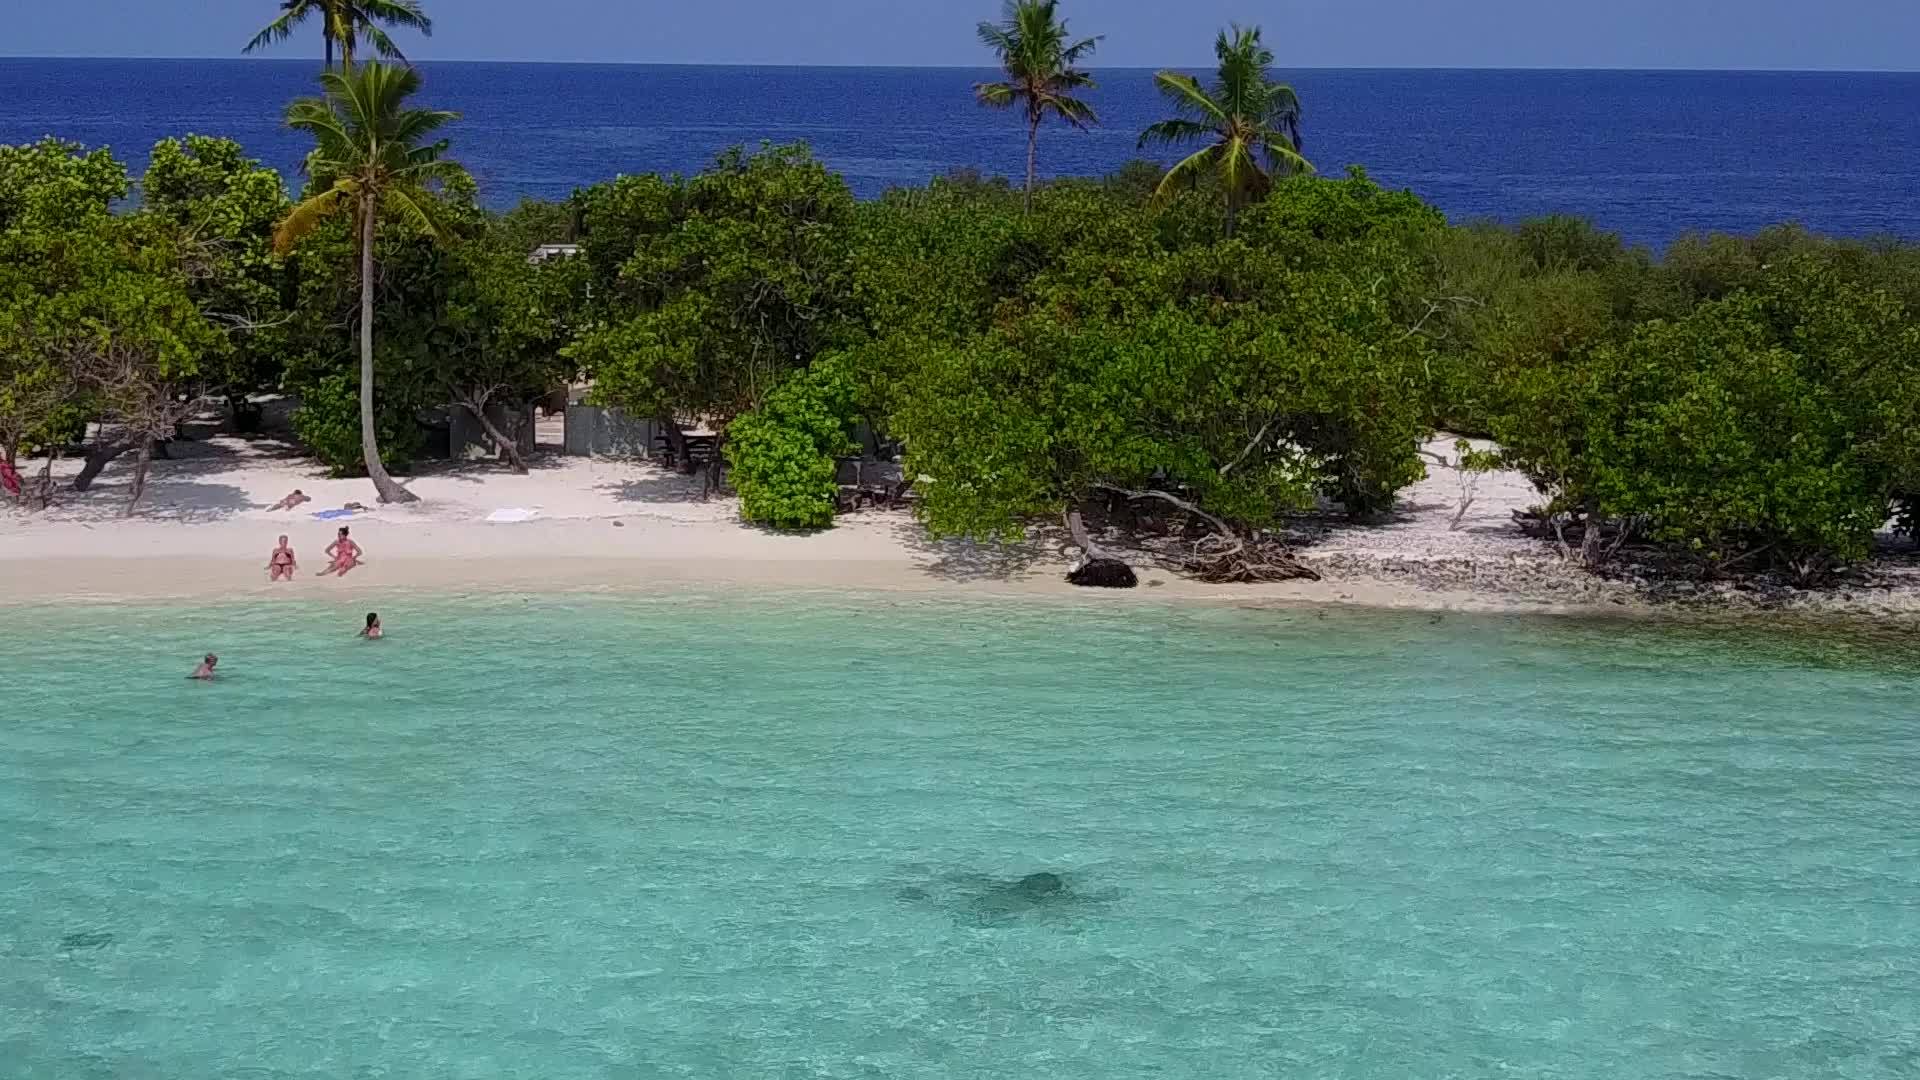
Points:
point(4, 57)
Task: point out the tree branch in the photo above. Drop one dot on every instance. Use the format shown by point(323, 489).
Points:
point(1174, 500)
point(1248, 449)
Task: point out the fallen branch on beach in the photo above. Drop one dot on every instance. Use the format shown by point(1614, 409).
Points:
point(1226, 556)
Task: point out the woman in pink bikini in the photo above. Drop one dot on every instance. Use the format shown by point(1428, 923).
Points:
point(344, 553)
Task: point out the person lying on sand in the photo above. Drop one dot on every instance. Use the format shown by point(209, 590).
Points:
point(205, 671)
point(281, 564)
point(343, 553)
point(293, 499)
point(372, 632)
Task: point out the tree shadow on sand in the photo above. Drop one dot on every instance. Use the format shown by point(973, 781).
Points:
point(179, 486)
point(480, 470)
point(972, 561)
point(168, 498)
point(654, 484)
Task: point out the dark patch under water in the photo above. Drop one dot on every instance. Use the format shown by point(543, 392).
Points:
point(982, 900)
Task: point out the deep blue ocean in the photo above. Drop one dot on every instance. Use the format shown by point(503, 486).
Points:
point(1651, 155)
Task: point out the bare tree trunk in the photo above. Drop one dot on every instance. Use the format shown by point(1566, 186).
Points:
point(139, 488)
point(711, 483)
point(39, 495)
point(1077, 530)
point(1098, 570)
point(98, 458)
point(1590, 550)
point(510, 448)
point(1233, 213)
point(1033, 158)
point(383, 485)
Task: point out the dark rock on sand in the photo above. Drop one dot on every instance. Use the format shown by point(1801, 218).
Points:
point(1103, 574)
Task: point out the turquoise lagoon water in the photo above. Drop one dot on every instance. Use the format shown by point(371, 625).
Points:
point(736, 836)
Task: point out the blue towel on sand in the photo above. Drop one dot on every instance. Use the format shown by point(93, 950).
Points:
point(331, 515)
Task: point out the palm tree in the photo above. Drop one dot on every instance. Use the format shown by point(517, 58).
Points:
point(1032, 43)
point(344, 23)
point(371, 151)
point(1253, 121)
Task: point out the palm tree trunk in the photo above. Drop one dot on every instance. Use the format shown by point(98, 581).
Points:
point(1033, 156)
point(1233, 211)
point(383, 485)
point(327, 36)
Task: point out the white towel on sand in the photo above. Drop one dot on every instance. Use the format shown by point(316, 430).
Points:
point(513, 514)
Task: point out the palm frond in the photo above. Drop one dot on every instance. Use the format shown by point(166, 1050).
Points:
point(405, 13)
point(1282, 158)
point(995, 38)
point(1072, 110)
point(426, 166)
point(996, 95)
point(382, 44)
point(293, 13)
point(1187, 171)
point(307, 216)
point(1081, 49)
point(1175, 132)
point(419, 209)
point(1240, 169)
point(1188, 98)
point(413, 125)
point(1244, 86)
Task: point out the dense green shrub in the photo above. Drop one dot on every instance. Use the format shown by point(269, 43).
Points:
point(785, 453)
point(1776, 425)
point(327, 423)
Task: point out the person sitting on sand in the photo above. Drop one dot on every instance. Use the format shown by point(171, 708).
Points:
point(281, 564)
point(205, 671)
point(372, 632)
point(344, 553)
point(293, 499)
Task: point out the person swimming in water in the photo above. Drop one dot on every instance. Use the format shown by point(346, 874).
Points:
point(281, 564)
point(204, 672)
point(293, 499)
point(344, 553)
point(372, 632)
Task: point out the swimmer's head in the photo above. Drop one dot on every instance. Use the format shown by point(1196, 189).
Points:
point(343, 530)
point(373, 619)
point(212, 659)
point(283, 541)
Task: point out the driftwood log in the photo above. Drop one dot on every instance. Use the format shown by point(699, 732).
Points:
point(1099, 570)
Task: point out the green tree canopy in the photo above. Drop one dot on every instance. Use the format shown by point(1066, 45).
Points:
point(727, 282)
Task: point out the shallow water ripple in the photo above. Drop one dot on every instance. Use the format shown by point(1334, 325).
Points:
point(726, 837)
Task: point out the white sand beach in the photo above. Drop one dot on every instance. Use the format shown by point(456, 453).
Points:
point(205, 531)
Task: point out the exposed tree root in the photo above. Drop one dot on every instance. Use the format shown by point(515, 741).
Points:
point(1231, 560)
point(1225, 556)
